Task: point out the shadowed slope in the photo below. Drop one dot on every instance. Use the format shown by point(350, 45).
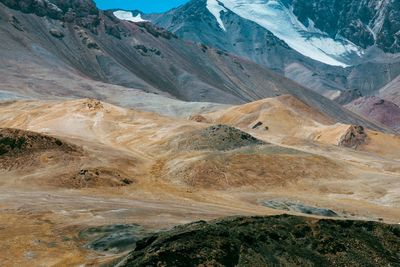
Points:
point(266, 241)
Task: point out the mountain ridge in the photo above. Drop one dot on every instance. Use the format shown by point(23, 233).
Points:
point(194, 21)
point(138, 56)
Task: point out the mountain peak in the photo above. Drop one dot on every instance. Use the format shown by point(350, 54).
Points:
point(277, 17)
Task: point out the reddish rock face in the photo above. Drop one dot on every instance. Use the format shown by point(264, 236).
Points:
point(376, 109)
point(354, 137)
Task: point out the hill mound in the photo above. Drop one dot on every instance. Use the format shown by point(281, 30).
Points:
point(279, 116)
point(270, 241)
point(29, 153)
point(253, 168)
point(16, 142)
point(217, 137)
point(55, 162)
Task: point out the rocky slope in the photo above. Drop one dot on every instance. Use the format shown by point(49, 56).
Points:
point(391, 91)
point(365, 23)
point(382, 111)
point(99, 46)
point(371, 26)
point(218, 137)
point(270, 241)
point(53, 57)
point(275, 18)
point(82, 180)
point(232, 27)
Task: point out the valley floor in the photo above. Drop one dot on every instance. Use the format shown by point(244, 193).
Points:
point(106, 165)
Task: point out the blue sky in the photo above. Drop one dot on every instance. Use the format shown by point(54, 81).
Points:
point(147, 6)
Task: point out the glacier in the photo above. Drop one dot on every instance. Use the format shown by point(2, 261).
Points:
point(279, 19)
point(215, 9)
point(127, 15)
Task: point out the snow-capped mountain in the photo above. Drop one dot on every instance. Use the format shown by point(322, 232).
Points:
point(279, 19)
point(325, 30)
point(365, 22)
point(328, 46)
point(69, 48)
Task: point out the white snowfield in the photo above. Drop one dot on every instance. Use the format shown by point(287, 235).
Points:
point(215, 8)
point(274, 16)
point(127, 15)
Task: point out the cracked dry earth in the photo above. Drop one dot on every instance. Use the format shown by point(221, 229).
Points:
point(69, 166)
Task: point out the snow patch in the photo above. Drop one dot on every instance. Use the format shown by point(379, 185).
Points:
point(127, 15)
point(376, 23)
point(372, 32)
point(274, 16)
point(215, 8)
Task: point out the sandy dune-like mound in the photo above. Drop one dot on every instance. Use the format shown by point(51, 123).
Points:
point(253, 168)
point(287, 120)
point(351, 136)
point(95, 177)
point(248, 151)
point(281, 116)
point(361, 139)
point(386, 145)
point(191, 153)
point(87, 163)
point(180, 151)
point(93, 121)
point(277, 108)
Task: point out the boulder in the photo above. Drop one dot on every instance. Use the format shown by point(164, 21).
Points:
point(57, 33)
point(354, 136)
